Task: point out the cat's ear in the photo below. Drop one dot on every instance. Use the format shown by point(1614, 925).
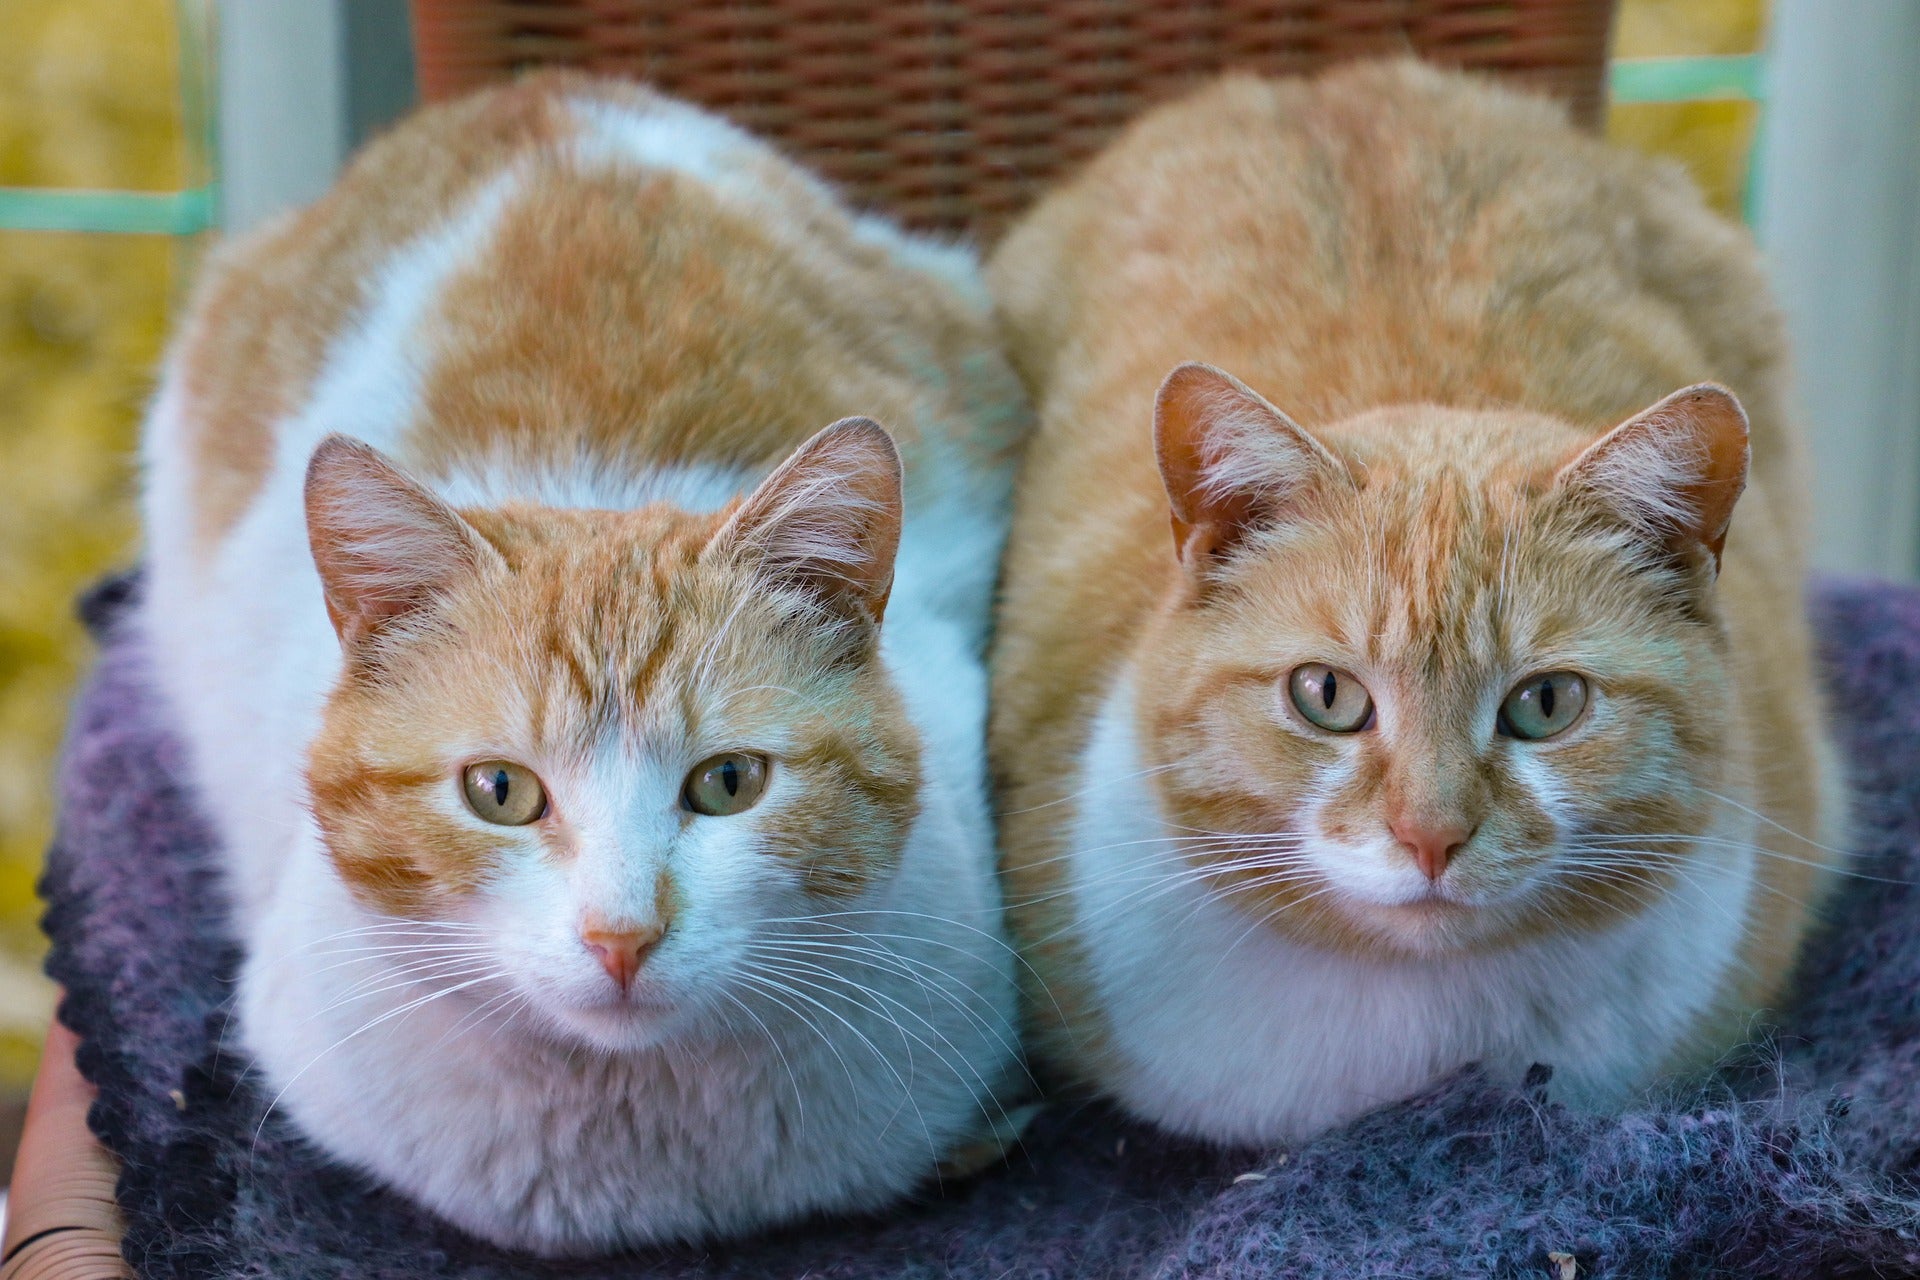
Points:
point(827, 522)
point(1673, 471)
point(1230, 460)
point(384, 546)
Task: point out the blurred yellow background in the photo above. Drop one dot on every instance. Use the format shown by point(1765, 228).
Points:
point(1713, 138)
point(90, 95)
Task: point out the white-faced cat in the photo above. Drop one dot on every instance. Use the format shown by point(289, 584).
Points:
point(595, 732)
point(1449, 722)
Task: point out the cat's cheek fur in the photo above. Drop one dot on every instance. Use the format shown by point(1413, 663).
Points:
point(1219, 1026)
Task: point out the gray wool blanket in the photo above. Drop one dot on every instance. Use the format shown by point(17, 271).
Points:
point(1798, 1162)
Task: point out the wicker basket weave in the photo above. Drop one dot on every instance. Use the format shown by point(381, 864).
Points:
point(950, 113)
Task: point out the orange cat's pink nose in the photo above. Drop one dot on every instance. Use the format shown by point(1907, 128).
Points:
point(1431, 845)
point(620, 951)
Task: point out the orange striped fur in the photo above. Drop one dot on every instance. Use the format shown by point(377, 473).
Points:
point(1454, 294)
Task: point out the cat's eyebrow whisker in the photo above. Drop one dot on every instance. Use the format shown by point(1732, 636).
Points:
point(774, 688)
point(1506, 551)
point(704, 665)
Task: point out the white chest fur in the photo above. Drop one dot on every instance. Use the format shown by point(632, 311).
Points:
point(1220, 1027)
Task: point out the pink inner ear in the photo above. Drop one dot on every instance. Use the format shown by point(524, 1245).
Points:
point(827, 521)
point(1228, 459)
point(1676, 469)
point(384, 546)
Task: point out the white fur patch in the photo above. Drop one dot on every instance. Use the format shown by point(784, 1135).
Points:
point(589, 484)
point(673, 137)
point(954, 264)
point(677, 139)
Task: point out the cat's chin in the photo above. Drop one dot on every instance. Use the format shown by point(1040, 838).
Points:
point(619, 1025)
point(1428, 926)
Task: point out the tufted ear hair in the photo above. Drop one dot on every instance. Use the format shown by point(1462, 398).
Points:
point(1230, 461)
point(383, 545)
point(827, 521)
point(1672, 472)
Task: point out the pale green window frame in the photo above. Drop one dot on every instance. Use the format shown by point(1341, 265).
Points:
point(185, 212)
point(1739, 77)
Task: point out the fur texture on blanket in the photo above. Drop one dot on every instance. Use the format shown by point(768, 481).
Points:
point(1798, 1162)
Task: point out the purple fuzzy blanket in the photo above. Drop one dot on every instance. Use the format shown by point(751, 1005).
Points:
point(1799, 1163)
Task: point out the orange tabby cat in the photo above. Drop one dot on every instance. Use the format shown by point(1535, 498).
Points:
point(1450, 723)
point(594, 733)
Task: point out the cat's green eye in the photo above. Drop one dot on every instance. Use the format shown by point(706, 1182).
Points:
point(1543, 706)
point(1330, 698)
point(503, 792)
point(729, 783)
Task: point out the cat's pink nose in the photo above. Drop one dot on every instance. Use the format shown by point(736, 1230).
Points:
point(620, 951)
point(1431, 845)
